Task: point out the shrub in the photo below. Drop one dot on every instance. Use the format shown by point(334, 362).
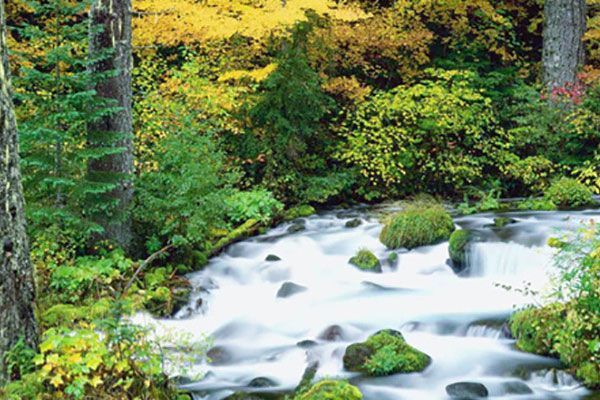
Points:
point(331, 390)
point(438, 135)
point(256, 204)
point(568, 192)
point(417, 225)
point(366, 260)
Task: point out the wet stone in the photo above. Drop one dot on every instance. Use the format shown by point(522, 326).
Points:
point(272, 257)
point(306, 344)
point(467, 390)
point(219, 355)
point(262, 382)
point(332, 334)
point(353, 223)
point(289, 289)
point(297, 227)
point(516, 387)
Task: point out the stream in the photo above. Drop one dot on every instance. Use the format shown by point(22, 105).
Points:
point(456, 319)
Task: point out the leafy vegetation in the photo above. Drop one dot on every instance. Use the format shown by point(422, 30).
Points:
point(568, 192)
point(418, 224)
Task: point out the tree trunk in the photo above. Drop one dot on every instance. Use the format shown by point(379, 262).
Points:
point(563, 54)
point(17, 288)
point(114, 19)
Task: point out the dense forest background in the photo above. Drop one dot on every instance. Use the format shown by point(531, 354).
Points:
point(250, 112)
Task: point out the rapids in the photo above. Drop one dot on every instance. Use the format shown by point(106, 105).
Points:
point(457, 320)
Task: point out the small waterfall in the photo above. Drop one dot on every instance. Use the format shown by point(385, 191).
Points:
point(499, 259)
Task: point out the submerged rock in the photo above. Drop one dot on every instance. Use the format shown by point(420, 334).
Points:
point(384, 353)
point(467, 390)
point(366, 261)
point(516, 387)
point(262, 382)
point(353, 223)
point(500, 222)
point(297, 227)
point(219, 355)
point(306, 344)
point(272, 257)
point(332, 334)
point(289, 289)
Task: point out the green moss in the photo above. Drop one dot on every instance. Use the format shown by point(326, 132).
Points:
point(304, 210)
point(568, 192)
point(534, 328)
point(589, 374)
point(331, 390)
point(384, 353)
point(238, 233)
point(417, 225)
point(500, 222)
point(457, 245)
point(366, 260)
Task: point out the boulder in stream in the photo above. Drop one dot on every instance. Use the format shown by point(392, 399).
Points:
point(331, 389)
point(289, 289)
point(516, 388)
point(365, 260)
point(384, 353)
point(458, 247)
point(467, 390)
point(296, 227)
point(262, 382)
point(272, 257)
point(500, 222)
point(353, 223)
point(219, 355)
point(332, 334)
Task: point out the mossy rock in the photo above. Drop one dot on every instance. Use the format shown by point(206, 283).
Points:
point(417, 225)
point(366, 261)
point(353, 223)
point(331, 390)
point(299, 212)
point(536, 328)
point(384, 353)
point(458, 247)
point(297, 227)
point(501, 222)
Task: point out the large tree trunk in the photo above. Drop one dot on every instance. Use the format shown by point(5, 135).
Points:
point(564, 54)
point(17, 288)
point(114, 18)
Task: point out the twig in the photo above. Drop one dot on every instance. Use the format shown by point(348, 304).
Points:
point(147, 13)
point(142, 265)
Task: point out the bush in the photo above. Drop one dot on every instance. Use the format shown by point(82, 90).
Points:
point(568, 192)
point(417, 225)
point(438, 135)
point(256, 204)
point(366, 260)
point(331, 390)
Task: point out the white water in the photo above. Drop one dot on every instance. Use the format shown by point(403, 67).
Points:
point(453, 319)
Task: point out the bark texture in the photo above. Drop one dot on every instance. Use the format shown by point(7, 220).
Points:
point(17, 288)
point(564, 53)
point(114, 18)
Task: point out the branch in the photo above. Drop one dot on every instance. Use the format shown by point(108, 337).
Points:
point(142, 265)
point(148, 13)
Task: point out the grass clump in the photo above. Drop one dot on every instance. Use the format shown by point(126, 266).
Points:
point(419, 224)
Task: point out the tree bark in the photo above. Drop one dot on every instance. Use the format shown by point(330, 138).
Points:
point(114, 18)
point(17, 287)
point(564, 53)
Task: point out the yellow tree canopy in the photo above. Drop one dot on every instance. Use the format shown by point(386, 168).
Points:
point(175, 22)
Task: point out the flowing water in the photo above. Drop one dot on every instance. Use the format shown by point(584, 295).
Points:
point(457, 320)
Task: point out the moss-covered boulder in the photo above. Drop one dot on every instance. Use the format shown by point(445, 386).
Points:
point(366, 261)
point(384, 353)
point(458, 246)
point(331, 390)
point(417, 225)
point(501, 222)
point(299, 212)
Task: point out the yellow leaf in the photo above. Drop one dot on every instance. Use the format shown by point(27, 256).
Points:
point(93, 361)
point(74, 358)
point(56, 381)
point(96, 380)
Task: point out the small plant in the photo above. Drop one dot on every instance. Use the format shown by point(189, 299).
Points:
point(488, 201)
point(536, 204)
point(568, 192)
point(418, 224)
point(19, 359)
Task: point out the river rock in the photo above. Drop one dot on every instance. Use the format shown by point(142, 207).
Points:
point(467, 390)
point(365, 260)
point(297, 227)
point(306, 344)
point(289, 289)
point(332, 334)
point(516, 387)
point(355, 356)
point(353, 223)
point(219, 355)
point(500, 222)
point(272, 257)
point(262, 382)
point(458, 246)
